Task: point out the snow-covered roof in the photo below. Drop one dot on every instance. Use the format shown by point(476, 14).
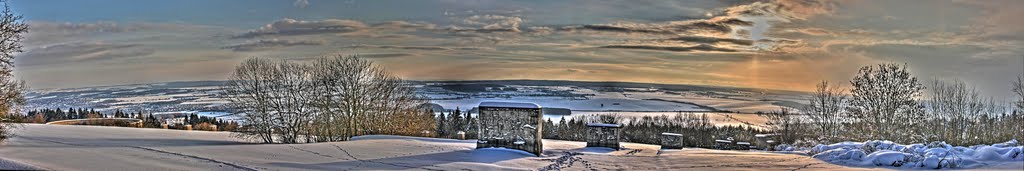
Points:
point(763, 135)
point(604, 125)
point(723, 141)
point(510, 105)
point(743, 143)
point(671, 134)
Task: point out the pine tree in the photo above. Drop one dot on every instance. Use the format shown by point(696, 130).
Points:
point(455, 122)
point(442, 125)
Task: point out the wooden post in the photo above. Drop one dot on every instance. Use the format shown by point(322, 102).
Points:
point(164, 126)
point(188, 127)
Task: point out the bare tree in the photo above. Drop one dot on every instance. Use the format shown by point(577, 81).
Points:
point(789, 126)
point(1017, 121)
point(11, 99)
point(827, 109)
point(332, 99)
point(249, 90)
point(291, 99)
point(358, 97)
point(953, 110)
point(885, 103)
point(1018, 89)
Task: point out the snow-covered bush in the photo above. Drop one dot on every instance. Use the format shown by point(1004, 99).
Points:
point(932, 155)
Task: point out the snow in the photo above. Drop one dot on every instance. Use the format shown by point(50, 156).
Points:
point(12, 165)
point(510, 105)
point(671, 134)
point(933, 156)
point(603, 125)
point(66, 147)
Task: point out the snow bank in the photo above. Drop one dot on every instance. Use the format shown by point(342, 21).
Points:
point(934, 155)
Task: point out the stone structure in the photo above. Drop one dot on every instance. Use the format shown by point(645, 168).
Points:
point(510, 125)
point(603, 135)
point(671, 141)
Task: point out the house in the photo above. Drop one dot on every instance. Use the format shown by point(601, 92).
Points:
point(603, 135)
point(510, 125)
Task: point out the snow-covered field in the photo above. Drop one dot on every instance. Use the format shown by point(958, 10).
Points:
point(64, 147)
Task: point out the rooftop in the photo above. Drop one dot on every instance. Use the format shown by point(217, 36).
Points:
point(671, 134)
point(510, 105)
point(604, 125)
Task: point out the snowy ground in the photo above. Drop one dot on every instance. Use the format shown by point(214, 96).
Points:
point(64, 147)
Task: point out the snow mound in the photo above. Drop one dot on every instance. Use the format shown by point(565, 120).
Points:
point(934, 155)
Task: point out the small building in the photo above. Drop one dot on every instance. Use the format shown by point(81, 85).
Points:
point(723, 144)
point(510, 125)
point(742, 146)
point(603, 135)
point(671, 141)
point(764, 141)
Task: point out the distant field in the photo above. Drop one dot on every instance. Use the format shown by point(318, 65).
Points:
point(209, 97)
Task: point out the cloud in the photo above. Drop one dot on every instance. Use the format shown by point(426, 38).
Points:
point(385, 55)
point(342, 27)
point(270, 44)
point(488, 24)
point(494, 22)
point(701, 47)
point(1000, 19)
point(301, 3)
point(80, 52)
point(784, 9)
point(97, 27)
point(419, 47)
point(573, 70)
point(713, 40)
point(398, 25)
point(287, 27)
point(718, 25)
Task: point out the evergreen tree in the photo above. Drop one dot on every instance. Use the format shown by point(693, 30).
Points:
point(442, 125)
point(455, 123)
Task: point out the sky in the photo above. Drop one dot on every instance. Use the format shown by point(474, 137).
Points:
point(780, 44)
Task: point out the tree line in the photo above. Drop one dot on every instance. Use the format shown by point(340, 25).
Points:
point(886, 102)
point(451, 124)
point(697, 129)
point(330, 99)
point(49, 115)
point(147, 120)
